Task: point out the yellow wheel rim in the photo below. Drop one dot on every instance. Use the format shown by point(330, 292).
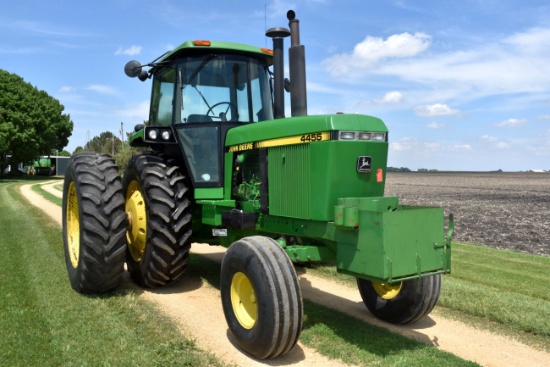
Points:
point(243, 300)
point(73, 225)
point(136, 232)
point(387, 291)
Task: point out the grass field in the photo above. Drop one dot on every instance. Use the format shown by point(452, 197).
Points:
point(498, 290)
point(45, 323)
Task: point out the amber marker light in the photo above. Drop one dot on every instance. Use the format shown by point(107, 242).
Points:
point(201, 43)
point(267, 51)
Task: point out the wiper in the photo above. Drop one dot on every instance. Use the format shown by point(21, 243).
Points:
point(198, 69)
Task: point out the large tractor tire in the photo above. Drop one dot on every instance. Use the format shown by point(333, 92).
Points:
point(94, 223)
point(261, 297)
point(401, 303)
point(159, 220)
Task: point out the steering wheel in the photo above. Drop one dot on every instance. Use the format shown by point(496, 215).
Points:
point(222, 115)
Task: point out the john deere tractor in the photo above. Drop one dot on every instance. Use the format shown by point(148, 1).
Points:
point(226, 167)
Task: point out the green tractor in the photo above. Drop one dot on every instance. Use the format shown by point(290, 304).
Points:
point(43, 166)
point(225, 167)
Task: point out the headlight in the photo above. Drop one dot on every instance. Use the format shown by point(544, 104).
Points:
point(347, 135)
point(364, 136)
point(159, 135)
point(153, 134)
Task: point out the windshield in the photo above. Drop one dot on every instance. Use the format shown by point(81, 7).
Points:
point(218, 88)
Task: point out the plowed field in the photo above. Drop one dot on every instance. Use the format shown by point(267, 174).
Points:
point(501, 210)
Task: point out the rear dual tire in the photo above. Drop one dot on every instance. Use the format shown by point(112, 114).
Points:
point(159, 220)
point(94, 223)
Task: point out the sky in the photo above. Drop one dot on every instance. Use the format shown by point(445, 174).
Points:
point(461, 85)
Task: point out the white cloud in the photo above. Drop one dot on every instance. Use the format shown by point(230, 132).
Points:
point(67, 89)
point(372, 50)
point(511, 123)
point(460, 147)
point(437, 109)
point(388, 98)
point(103, 89)
point(512, 65)
point(130, 51)
point(137, 111)
point(415, 145)
point(496, 143)
point(392, 97)
point(532, 41)
point(435, 125)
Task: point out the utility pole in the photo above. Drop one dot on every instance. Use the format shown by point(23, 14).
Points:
point(122, 132)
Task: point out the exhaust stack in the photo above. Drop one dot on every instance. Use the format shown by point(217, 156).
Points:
point(297, 68)
point(278, 34)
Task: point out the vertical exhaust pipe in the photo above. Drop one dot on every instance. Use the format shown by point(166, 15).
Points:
point(297, 68)
point(278, 34)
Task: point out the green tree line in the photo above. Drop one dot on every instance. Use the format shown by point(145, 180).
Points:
point(32, 122)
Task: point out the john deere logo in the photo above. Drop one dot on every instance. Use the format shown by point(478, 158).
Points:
point(364, 164)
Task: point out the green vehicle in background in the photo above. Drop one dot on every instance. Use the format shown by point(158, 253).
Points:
point(43, 166)
point(226, 167)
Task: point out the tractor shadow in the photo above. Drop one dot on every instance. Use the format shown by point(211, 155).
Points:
point(353, 324)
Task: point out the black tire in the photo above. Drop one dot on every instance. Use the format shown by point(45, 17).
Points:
point(269, 322)
point(94, 223)
point(412, 301)
point(160, 257)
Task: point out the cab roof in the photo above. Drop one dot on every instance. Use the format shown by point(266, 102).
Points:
point(201, 46)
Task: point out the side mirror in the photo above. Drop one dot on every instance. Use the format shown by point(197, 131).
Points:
point(133, 69)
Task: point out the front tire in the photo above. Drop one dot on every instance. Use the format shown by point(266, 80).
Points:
point(261, 297)
point(401, 303)
point(94, 223)
point(159, 220)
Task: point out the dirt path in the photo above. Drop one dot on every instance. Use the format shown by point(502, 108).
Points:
point(485, 348)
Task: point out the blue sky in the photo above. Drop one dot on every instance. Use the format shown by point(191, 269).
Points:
point(462, 85)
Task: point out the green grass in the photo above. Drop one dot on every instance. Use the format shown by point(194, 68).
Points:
point(46, 195)
point(503, 291)
point(46, 323)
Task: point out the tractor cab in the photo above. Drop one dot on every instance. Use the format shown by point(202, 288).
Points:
point(200, 91)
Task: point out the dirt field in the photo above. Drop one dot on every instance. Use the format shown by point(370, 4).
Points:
point(501, 210)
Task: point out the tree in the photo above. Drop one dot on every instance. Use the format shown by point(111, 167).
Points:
point(106, 142)
point(78, 149)
point(32, 122)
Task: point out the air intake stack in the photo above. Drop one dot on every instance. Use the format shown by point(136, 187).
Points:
point(297, 68)
point(278, 34)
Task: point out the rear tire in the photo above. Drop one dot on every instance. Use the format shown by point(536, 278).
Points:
point(404, 302)
point(261, 297)
point(94, 223)
point(159, 220)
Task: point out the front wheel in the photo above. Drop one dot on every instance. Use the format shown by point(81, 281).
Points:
point(261, 297)
point(403, 302)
